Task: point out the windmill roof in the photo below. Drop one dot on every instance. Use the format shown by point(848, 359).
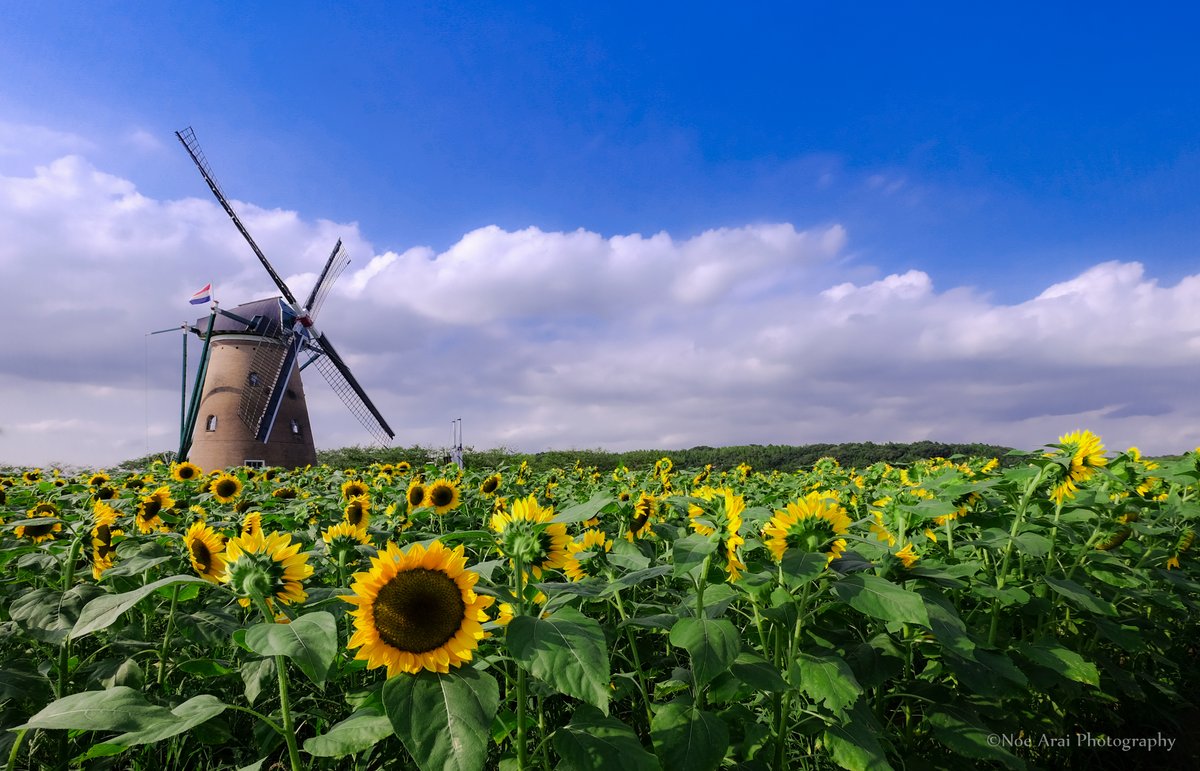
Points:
point(265, 312)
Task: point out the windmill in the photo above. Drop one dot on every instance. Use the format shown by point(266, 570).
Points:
point(248, 386)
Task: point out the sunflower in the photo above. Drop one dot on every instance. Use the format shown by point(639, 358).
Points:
point(490, 485)
point(442, 495)
point(285, 493)
point(728, 520)
point(398, 519)
point(185, 472)
point(417, 609)
point(268, 565)
point(403, 467)
point(206, 549)
point(1086, 454)
point(415, 495)
point(343, 535)
point(812, 523)
point(906, 555)
point(354, 488)
point(225, 487)
point(97, 479)
point(702, 477)
point(43, 532)
point(644, 511)
point(504, 614)
point(31, 476)
point(103, 532)
point(527, 532)
point(880, 530)
point(358, 512)
point(585, 554)
point(252, 523)
point(149, 509)
point(105, 493)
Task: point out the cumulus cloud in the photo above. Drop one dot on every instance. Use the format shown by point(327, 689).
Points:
point(761, 333)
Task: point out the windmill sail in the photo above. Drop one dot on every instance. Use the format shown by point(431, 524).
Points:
point(338, 375)
point(337, 262)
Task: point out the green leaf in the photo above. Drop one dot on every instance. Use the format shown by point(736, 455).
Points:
point(310, 641)
point(1062, 660)
point(802, 567)
point(946, 624)
point(1081, 597)
point(49, 615)
point(359, 732)
point(878, 598)
point(635, 578)
point(582, 512)
point(444, 720)
point(854, 745)
point(827, 679)
point(758, 673)
point(970, 739)
point(1033, 545)
point(566, 651)
point(690, 551)
point(115, 709)
point(594, 742)
point(102, 612)
point(688, 739)
point(185, 717)
point(257, 675)
point(712, 643)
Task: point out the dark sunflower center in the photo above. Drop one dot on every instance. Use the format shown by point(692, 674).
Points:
point(201, 555)
point(151, 508)
point(104, 545)
point(415, 496)
point(419, 610)
point(639, 521)
point(441, 495)
point(105, 494)
point(186, 472)
point(45, 510)
point(37, 531)
point(490, 484)
point(353, 491)
point(225, 488)
point(354, 514)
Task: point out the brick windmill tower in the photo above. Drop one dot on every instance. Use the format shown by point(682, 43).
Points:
point(248, 407)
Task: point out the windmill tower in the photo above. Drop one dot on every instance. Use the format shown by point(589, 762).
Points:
point(248, 407)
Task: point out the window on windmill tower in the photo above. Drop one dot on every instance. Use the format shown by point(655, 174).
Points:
point(252, 378)
point(211, 423)
point(295, 428)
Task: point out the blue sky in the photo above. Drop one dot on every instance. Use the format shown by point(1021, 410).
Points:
point(997, 151)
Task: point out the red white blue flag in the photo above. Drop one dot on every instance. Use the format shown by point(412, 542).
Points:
point(203, 296)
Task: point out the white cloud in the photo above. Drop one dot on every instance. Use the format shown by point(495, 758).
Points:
point(762, 333)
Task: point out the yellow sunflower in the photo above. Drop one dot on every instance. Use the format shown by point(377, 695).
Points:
point(415, 495)
point(586, 554)
point(149, 509)
point(252, 523)
point(97, 479)
point(812, 523)
point(186, 471)
point(417, 609)
point(358, 512)
point(490, 485)
point(644, 512)
point(526, 531)
point(727, 516)
point(343, 535)
point(1086, 454)
point(103, 532)
point(206, 550)
point(31, 476)
point(104, 493)
point(907, 555)
point(403, 467)
point(442, 495)
point(269, 565)
point(225, 488)
point(504, 614)
point(43, 532)
point(354, 488)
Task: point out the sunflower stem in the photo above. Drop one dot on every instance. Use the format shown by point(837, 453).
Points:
point(162, 652)
point(285, 707)
point(16, 748)
point(637, 659)
point(522, 696)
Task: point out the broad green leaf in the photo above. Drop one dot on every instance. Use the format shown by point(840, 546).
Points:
point(114, 709)
point(1062, 660)
point(690, 551)
point(102, 612)
point(594, 742)
point(1033, 545)
point(566, 651)
point(688, 739)
point(854, 743)
point(635, 578)
point(878, 598)
point(946, 624)
point(758, 673)
point(970, 739)
point(712, 643)
point(310, 641)
point(118, 671)
point(183, 718)
point(48, 614)
point(257, 676)
point(359, 732)
point(582, 512)
point(443, 720)
point(626, 555)
point(827, 679)
point(1081, 597)
point(801, 567)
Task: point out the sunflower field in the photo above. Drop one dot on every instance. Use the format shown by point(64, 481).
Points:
point(942, 614)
